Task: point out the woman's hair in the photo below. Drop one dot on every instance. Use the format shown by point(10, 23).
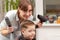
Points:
point(23, 4)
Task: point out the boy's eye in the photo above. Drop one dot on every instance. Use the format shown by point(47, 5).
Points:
point(30, 30)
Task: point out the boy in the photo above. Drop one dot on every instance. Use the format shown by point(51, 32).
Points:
point(27, 30)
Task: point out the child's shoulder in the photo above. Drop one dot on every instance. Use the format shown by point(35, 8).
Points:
point(21, 38)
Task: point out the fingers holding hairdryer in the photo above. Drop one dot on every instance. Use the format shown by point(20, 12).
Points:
point(7, 30)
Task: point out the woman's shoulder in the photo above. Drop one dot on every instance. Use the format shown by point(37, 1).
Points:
point(10, 15)
point(11, 12)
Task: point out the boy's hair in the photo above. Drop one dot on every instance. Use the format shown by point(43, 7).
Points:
point(26, 23)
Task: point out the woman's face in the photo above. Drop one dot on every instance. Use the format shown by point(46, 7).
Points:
point(25, 14)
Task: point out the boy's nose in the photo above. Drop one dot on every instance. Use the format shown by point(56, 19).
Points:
point(33, 33)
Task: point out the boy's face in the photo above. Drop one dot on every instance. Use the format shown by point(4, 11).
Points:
point(29, 32)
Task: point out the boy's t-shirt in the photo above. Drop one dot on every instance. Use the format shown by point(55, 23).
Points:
point(22, 38)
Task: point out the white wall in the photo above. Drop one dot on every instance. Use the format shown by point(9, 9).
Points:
point(38, 8)
point(48, 34)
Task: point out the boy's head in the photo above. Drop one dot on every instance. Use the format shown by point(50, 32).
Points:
point(28, 29)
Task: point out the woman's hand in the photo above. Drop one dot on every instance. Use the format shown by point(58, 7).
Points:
point(5, 31)
point(39, 24)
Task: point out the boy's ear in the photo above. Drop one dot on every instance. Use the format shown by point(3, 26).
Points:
point(23, 29)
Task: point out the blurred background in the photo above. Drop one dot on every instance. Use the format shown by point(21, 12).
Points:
point(6, 5)
point(51, 9)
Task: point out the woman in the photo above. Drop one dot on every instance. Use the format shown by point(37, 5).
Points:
point(24, 12)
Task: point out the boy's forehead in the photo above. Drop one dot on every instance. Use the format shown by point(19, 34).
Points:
point(30, 26)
